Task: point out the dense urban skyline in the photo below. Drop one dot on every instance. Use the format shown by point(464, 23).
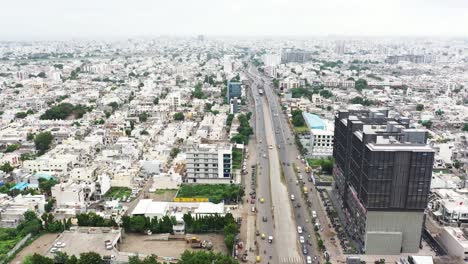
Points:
point(53, 19)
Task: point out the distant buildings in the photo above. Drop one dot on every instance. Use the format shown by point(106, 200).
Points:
point(382, 176)
point(411, 58)
point(298, 56)
point(209, 163)
point(340, 47)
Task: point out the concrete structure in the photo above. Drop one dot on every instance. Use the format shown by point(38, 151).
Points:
point(455, 241)
point(382, 177)
point(210, 163)
point(234, 90)
point(321, 136)
point(150, 208)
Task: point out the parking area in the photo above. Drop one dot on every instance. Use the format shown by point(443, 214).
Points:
point(85, 239)
point(143, 244)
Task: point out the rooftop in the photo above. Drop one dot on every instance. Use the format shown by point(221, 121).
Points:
point(314, 121)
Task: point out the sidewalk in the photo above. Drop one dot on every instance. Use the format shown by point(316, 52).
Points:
point(248, 227)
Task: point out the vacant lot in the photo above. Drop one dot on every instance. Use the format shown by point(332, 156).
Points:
point(40, 246)
point(143, 244)
point(215, 192)
point(164, 195)
point(119, 192)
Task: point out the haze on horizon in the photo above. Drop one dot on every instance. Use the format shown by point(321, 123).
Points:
point(46, 19)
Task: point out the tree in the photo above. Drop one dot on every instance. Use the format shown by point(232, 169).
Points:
point(297, 118)
point(419, 107)
point(427, 124)
point(6, 167)
point(46, 185)
point(21, 115)
point(196, 257)
point(179, 116)
point(198, 93)
point(90, 258)
point(72, 260)
point(142, 117)
point(174, 152)
point(39, 259)
point(456, 164)
point(12, 147)
point(152, 259)
point(138, 223)
point(42, 75)
point(30, 136)
point(465, 127)
point(360, 84)
point(156, 101)
point(42, 142)
point(60, 258)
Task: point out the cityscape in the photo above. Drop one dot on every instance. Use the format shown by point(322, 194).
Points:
point(205, 142)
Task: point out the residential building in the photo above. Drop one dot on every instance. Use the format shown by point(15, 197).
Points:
point(382, 177)
point(210, 163)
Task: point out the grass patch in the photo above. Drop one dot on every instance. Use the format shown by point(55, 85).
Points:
point(325, 164)
point(301, 129)
point(236, 159)
point(215, 192)
point(9, 237)
point(118, 193)
point(164, 191)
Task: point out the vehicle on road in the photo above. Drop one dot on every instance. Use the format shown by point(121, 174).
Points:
point(301, 239)
point(264, 155)
point(253, 209)
point(270, 147)
point(270, 239)
point(258, 259)
point(299, 229)
point(262, 200)
point(309, 260)
point(264, 219)
point(263, 236)
point(293, 197)
point(314, 214)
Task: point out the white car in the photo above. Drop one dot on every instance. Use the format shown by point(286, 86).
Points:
point(309, 260)
point(293, 197)
point(301, 239)
point(299, 229)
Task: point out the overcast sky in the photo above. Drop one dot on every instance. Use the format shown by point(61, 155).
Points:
point(42, 19)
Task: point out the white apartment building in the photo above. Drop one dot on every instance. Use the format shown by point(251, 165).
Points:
point(271, 59)
point(72, 195)
point(209, 163)
point(55, 165)
point(321, 136)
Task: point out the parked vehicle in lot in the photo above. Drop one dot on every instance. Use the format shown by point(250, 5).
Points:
point(309, 260)
point(304, 250)
point(299, 229)
point(301, 239)
point(314, 214)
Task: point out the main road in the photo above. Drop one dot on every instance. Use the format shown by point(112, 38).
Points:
point(271, 186)
point(280, 135)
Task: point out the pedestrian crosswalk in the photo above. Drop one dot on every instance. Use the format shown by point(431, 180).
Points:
point(291, 260)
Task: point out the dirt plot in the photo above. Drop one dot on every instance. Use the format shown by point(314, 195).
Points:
point(163, 195)
point(39, 246)
point(142, 244)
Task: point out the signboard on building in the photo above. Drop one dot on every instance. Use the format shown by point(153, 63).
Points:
point(191, 200)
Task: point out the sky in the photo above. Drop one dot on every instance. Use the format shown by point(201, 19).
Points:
point(43, 19)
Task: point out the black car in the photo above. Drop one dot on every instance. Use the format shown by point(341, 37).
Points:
point(304, 250)
point(265, 219)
